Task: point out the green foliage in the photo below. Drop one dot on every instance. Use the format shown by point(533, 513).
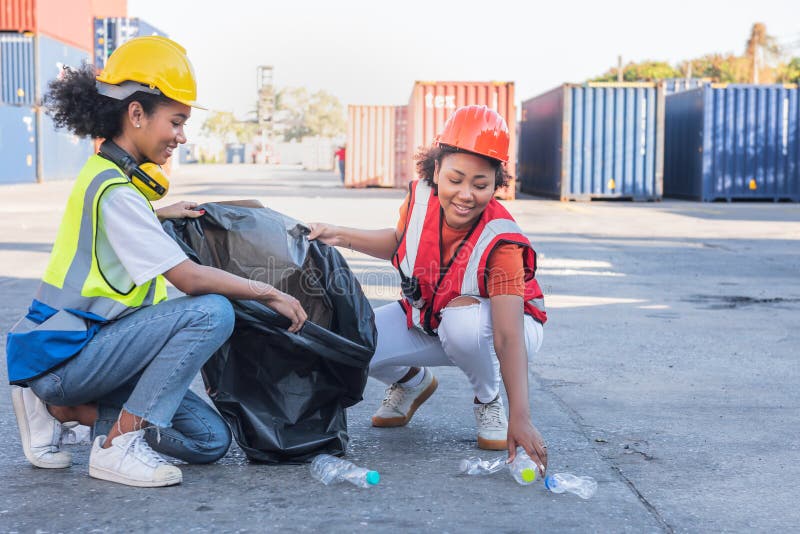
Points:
point(790, 72)
point(300, 114)
point(224, 126)
point(645, 71)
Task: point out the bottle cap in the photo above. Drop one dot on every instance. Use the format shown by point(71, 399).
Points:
point(528, 474)
point(549, 482)
point(373, 477)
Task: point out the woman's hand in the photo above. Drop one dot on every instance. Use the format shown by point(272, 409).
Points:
point(288, 306)
point(179, 210)
point(522, 433)
point(326, 233)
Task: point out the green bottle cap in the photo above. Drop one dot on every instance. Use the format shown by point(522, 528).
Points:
point(373, 477)
point(528, 474)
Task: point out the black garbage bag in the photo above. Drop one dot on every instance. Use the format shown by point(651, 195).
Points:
point(284, 395)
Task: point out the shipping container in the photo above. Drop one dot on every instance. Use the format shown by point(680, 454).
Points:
point(69, 22)
point(17, 144)
point(727, 142)
point(234, 153)
point(109, 8)
point(594, 141)
point(431, 104)
point(54, 55)
point(63, 153)
point(401, 176)
point(111, 33)
point(371, 147)
point(17, 69)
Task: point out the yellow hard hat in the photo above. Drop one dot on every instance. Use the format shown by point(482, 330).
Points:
point(152, 64)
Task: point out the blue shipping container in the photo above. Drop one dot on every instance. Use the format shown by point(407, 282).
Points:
point(726, 142)
point(54, 56)
point(17, 145)
point(676, 85)
point(17, 76)
point(234, 153)
point(602, 140)
point(63, 154)
point(110, 33)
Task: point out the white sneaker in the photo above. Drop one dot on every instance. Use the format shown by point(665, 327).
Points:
point(39, 432)
point(401, 402)
point(492, 425)
point(130, 461)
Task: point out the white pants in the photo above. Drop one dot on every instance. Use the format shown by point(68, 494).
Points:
point(466, 340)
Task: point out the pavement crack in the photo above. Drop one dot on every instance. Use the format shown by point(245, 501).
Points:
point(576, 418)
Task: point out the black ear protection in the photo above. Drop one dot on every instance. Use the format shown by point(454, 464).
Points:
point(148, 177)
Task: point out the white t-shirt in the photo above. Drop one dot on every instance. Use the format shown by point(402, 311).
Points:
point(132, 248)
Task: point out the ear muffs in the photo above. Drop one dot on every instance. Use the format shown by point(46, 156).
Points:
point(148, 177)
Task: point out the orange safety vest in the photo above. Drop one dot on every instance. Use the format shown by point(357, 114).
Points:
point(418, 256)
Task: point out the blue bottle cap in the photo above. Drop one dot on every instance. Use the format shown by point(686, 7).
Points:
point(549, 482)
point(373, 477)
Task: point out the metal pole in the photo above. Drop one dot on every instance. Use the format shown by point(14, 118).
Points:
point(37, 109)
point(619, 69)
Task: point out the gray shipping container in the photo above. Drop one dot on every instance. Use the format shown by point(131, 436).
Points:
point(17, 69)
point(110, 33)
point(17, 144)
point(594, 141)
point(726, 142)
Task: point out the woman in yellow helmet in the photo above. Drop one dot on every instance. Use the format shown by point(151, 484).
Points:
point(101, 344)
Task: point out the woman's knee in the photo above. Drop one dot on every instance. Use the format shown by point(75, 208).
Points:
point(218, 443)
point(218, 310)
point(459, 330)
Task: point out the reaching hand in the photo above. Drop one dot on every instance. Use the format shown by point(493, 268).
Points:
point(288, 306)
point(327, 233)
point(522, 433)
point(179, 210)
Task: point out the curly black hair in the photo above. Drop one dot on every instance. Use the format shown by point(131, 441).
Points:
point(427, 157)
point(73, 102)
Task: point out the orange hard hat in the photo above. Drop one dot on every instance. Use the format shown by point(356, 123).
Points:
point(476, 129)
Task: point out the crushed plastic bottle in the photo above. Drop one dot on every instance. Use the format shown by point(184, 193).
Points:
point(584, 487)
point(523, 469)
point(476, 466)
point(330, 469)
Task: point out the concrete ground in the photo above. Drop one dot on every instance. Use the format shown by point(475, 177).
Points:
point(667, 373)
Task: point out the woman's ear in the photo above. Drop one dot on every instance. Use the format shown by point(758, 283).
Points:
point(436, 172)
point(135, 114)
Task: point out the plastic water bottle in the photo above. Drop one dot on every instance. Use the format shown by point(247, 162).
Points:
point(476, 466)
point(523, 469)
point(583, 487)
point(330, 469)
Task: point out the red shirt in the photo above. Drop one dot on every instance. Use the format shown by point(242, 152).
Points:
point(339, 154)
point(506, 272)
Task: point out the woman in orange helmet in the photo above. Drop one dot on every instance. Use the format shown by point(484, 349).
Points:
point(467, 274)
point(101, 344)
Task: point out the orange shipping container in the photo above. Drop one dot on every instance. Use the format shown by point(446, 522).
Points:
point(70, 21)
point(431, 103)
point(371, 158)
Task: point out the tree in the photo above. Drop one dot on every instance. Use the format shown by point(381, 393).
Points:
point(299, 114)
point(789, 72)
point(224, 126)
point(645, 71)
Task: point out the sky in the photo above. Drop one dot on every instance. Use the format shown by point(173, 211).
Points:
point(371, 52)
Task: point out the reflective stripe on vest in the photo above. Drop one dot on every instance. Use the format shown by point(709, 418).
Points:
point(73, 279)
point(499, 229)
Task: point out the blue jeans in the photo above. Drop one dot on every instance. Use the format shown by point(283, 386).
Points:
point(145, 363)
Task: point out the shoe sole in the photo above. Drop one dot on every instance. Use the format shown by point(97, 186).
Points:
point(492, 444)
point(112, 476)
point(25, 433)
point(387, 422)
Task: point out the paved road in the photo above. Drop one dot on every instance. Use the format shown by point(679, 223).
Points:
point(669, 373)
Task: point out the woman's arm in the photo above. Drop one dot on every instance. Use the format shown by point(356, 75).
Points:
point(376, 243)
point(509, 344)
point(194, 279)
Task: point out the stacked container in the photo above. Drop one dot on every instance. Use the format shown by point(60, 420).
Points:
point(727, 142)
point(594, 141)
point(111, 32)
point(431, 104)
point(37, 39)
